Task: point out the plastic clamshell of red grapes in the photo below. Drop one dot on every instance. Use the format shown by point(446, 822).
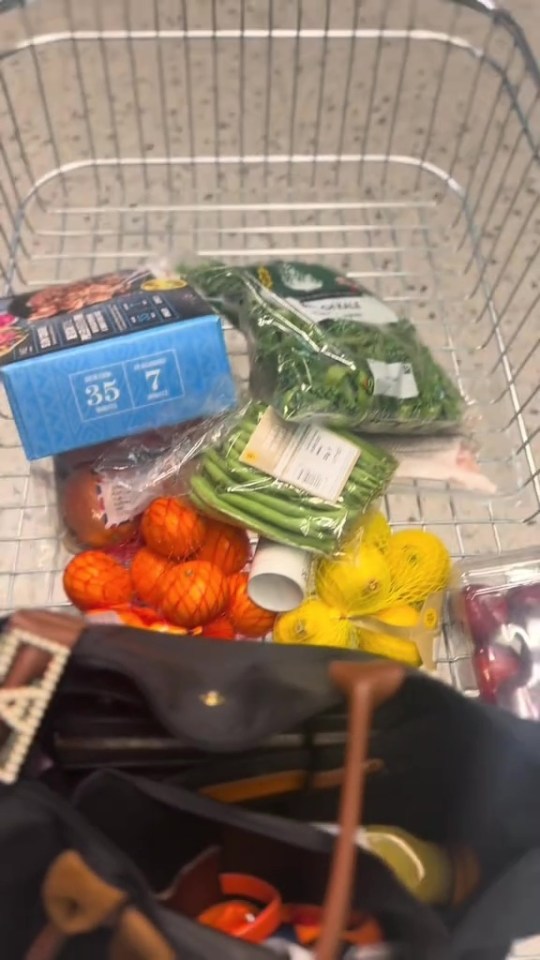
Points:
point(524, 601)
point(484, 611)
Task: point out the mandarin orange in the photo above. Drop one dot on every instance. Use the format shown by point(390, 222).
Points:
point(147, 572)
point(247, 618)
point(226, 546)
point(173, 528)
point(92, 579)
point(194, 593)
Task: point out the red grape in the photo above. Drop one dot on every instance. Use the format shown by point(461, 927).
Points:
point(524, 601)
point(495, 666)
point(485, 612)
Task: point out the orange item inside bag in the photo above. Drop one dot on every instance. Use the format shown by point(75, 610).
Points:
point(194, 593)
point(141, 618)
point(125, 615)
point(247, 618)
point(173, 528)
point(163, 626)
point(219, 629)
point(92, 579)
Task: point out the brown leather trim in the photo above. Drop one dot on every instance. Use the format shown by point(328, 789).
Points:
point(47, 945)
point(60, 627)
point(135, 938)
point(466, 874)
point(77, 901)
point(29, 663)
point(75, 898)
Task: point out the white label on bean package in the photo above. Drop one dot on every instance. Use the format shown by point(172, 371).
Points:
point(310, 457)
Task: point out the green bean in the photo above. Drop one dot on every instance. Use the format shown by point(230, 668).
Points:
point(278, 517)
point(205, 494)
point(310, 523)
point(280, 525)
point(244, 477)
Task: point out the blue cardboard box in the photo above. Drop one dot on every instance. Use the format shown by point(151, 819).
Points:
point(146, 358)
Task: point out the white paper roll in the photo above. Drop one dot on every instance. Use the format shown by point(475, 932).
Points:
point(279, 576)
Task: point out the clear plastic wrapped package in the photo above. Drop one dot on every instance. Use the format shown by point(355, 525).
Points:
point(302, 485)
point(324, 346)
point(152, 560)
point(103, 490)
point(494, 610)
point(447, 460)
point(402, 632)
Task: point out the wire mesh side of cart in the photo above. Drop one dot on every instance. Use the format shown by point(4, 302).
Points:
point(395, 139)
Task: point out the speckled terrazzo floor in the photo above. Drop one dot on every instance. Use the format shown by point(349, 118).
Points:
point(401, 229)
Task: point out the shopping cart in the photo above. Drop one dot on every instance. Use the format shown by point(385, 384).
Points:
point(396, 139)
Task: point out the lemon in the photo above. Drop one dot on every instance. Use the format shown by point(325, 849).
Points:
point(373, 529)
point(357, 583)
point(401, 615)
point(386, 645)
point(314, 623)
point(377, 531)
point(419, 564)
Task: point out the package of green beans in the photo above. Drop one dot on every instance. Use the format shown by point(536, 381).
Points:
point(302, 485)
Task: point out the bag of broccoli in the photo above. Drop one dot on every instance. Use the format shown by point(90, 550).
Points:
point(322, 345)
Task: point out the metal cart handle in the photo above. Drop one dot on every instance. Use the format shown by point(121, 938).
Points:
point(366, 686)
point(481, 6)
point(493, 9)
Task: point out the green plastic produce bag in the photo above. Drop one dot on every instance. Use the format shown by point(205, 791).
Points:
point(323, 346)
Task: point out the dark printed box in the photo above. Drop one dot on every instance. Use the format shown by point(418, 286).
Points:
point(109, 357)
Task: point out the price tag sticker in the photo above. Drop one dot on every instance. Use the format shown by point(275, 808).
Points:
point(125, 493)
point(393, 380)
point(310, 458)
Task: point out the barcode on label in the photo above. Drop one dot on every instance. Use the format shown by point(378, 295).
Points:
point(310, 458)
point(312, 479)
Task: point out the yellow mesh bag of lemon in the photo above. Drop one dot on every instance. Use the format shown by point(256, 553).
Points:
point(379, 579)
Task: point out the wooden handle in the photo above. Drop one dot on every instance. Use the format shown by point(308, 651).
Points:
point(366, 686)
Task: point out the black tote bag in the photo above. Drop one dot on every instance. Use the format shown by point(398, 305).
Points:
point(449, 769)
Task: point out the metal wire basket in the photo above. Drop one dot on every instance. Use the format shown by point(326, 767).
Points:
point(396, 139)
